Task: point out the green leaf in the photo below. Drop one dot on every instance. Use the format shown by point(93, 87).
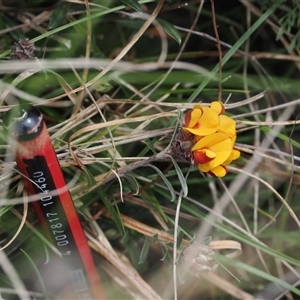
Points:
point(58, 16)
point(8, 22)
point(154, 202)
point(150, 145)
point(154, 238)
point(144, 252)
point(103, 87)
point(89, 176)
point(166, 181)
point(170, 30)
point(181, 177)
point(133, 4)
point(5, 209)
point(134, 186)
point(280, 33)
point(39, 276)
point(114, 211)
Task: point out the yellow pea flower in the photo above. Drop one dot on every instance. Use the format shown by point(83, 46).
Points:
point(201, 121)
point(212, 151)
point(207, 139)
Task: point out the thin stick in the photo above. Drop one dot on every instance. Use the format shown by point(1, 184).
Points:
point(219, 48)
point(176, 222)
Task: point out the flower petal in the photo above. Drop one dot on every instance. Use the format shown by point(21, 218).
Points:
point(192, 117)
point(227, 125)
point(235, 154)
point(218, 107)
point(212, 140)
point(187, 118)
point(207, 123)
point(202, 157)
point(219, 171)
point(210, 153)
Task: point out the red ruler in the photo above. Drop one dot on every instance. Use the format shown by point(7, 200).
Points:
point(42, 175)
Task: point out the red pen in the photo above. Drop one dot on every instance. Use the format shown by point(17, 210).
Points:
point(43, 177)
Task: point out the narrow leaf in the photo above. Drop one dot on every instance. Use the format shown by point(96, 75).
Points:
point(181, 177)
point(58, 16)
point(114, 211)
point(166, 181)
point(133, 183)
point(39, 276)
point(133, 4)
point(170, 30)
point(150, 145)
point(5, 209)
point(89, 176)
point(144, 252)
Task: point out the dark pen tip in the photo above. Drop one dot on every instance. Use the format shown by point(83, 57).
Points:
point(23, 123)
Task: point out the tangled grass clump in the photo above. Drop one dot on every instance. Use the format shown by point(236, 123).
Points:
point(127, 99)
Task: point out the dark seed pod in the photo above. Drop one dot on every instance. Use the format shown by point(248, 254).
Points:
point(182, 145)
point(22, 50)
